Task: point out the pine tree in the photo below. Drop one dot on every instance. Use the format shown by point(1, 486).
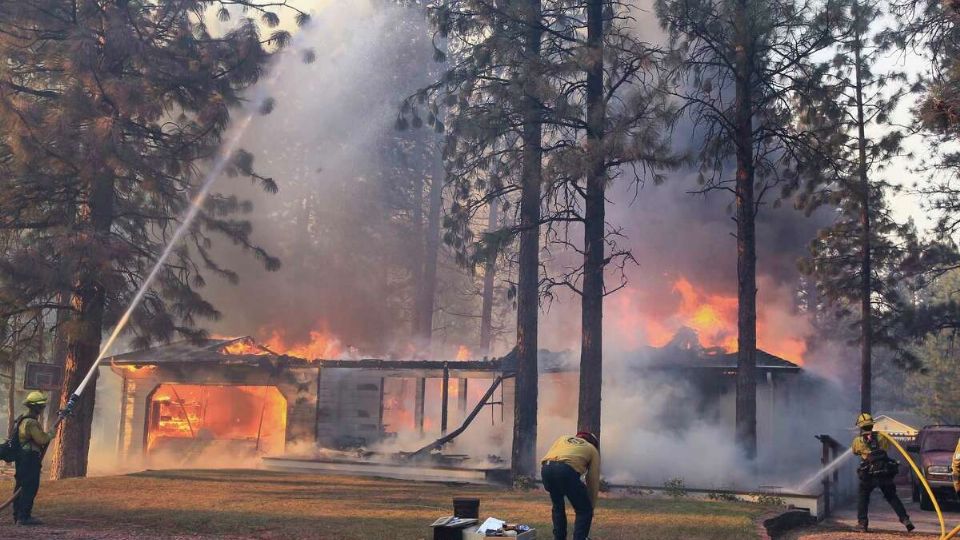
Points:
point(932, 29)
point(739, 63)
point(851, 259)
point(108, 112)
point(933, 388)
point(498, 99)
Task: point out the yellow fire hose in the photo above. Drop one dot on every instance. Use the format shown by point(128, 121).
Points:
point(936, 505)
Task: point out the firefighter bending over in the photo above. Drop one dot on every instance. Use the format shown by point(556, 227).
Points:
point(32, 442)
point(567, 460)
point(876, 470)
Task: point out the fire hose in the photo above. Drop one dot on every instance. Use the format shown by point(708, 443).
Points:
point(944, 535)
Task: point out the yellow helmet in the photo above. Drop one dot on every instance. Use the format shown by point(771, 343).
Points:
point(35, 399)
point(865, 419)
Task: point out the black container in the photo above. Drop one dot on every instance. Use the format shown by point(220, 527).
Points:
point(448, 533)
point(466, 507)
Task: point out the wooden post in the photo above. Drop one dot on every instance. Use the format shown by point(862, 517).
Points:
point(444, 399)
point(825, 460)
point(466, 422)
point(836, 471)
point(124, 390)
point(462, 396)
point(383, 382)
point(418, 404)
point(316, 419)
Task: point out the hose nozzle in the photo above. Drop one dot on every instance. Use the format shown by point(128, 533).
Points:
point(71, 403)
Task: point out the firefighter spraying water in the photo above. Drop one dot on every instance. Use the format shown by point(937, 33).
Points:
point(876, 470)
point(25, 448)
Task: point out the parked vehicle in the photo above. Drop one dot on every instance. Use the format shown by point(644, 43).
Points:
point(933, 452)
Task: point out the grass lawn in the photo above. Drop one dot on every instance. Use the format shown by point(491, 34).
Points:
point(263, 504)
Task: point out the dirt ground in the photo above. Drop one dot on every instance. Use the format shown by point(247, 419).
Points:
point(247, 504)
point(821, 533)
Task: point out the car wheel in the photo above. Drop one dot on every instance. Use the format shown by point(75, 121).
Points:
point(925, 502)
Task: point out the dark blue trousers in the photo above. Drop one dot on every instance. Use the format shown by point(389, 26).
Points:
point(563, 482)
point(28, 482)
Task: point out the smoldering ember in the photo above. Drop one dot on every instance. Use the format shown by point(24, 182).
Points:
point(458, 269)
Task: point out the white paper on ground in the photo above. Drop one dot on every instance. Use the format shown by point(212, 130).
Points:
point(491, 524)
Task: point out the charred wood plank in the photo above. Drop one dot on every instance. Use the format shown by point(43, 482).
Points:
point(466, 422)
point(445, 399)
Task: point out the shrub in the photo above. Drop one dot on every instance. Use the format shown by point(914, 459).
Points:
point(675, 488)
point(770, 499)
point(524, 483)
point(722, 496)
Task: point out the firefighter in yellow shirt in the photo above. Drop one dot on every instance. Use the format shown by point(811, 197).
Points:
point(876, 470)
point(32, 442)
point(567, 460)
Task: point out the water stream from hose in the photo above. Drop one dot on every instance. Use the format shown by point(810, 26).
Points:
point(230, 146)
point(807, 484)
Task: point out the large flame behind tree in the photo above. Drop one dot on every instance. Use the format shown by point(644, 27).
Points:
point(640, 319)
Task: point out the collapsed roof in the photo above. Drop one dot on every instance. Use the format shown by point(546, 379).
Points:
point(246, 351)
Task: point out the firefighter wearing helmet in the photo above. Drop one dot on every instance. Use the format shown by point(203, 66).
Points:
point(32, 442)
point(876, 470)
point(568, 459)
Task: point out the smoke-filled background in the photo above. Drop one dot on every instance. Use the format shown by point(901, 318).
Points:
point(344, 224)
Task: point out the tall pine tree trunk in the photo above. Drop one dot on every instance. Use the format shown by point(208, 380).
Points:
point(59, 357)
point(72, 443)
point(866, 290)
point(425, 304)
point(746, 409)
point(591, 348)
point(417, 261)
point(525, 404)
point(489, 281)
point(12, 393)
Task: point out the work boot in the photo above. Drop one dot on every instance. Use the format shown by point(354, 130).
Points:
point(30, 522)
point(908, 524)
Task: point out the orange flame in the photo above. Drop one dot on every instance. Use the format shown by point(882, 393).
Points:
point(463, 353)
point(712, 316)
point(138, 370)
point(244, 347)
point(320, 345)
point(252, 414)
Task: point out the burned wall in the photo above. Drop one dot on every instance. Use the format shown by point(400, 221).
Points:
point(297, 386)
point(350, 408)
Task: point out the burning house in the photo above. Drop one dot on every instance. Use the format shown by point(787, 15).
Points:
point(239, 397)
point(236, 397)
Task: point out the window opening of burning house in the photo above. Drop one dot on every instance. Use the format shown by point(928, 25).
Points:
point(189, 420)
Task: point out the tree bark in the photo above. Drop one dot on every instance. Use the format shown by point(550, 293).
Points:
point(427, 297)
point(866, 288)
point(72, 443)
point(591, 344)
point(525, 404)
point(12, 395)
point(59, 358)
point(489, 281)
point(746, 409)
point(417, 259)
